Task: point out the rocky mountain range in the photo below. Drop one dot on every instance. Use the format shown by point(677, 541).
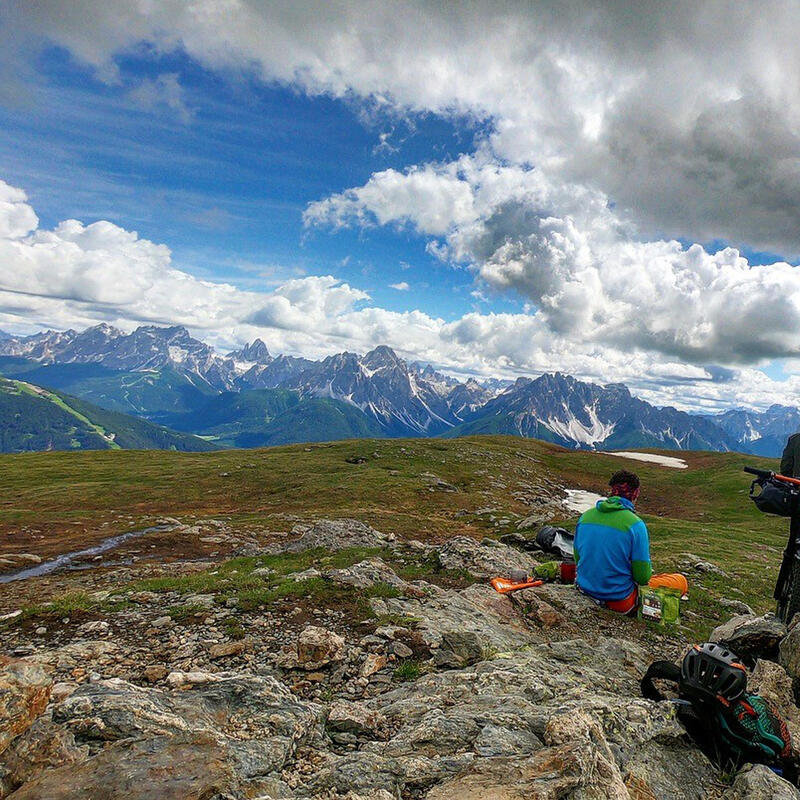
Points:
point(163, 373)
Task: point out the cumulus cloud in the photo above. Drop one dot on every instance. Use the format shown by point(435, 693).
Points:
point(564, 248)
point(77, 274)
point(611, 134)
point(400, 287)
point(685, 114)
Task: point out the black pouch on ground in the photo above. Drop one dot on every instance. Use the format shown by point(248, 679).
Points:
point(744, 729)
point(556, 541)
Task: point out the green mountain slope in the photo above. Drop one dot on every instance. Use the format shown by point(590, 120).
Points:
point(317, 420)
point(498, 424)
point(261, 417)
point(152, 394)
point(32, 418)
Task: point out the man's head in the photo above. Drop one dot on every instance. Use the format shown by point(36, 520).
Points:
point(625, 484)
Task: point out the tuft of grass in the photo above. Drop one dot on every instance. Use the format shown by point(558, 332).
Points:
point(233, 628)
point(400, 620)
point(187, 612)
point(408, 670)
point(64, 605)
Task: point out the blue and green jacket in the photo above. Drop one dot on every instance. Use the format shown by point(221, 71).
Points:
point(612, 550)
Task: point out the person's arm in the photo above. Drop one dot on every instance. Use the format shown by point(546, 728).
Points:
point(641, 566)
point(787, 459)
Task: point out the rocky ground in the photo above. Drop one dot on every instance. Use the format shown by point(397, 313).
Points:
point(339, 662)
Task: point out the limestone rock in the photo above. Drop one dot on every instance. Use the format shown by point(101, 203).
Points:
point(187, 767)
point(354, 718)
point(24, 694)
point(478, 609)
point(789, 652)
point(537, 610)
point(97, 627)
point(760, 783)
point(368, 573)
point(458, 649)
point(481, 560)
point(772, 682)
point(43, 746)
point(227, 649)
point(335, 534)
point(689, 562)
point(751, 637)
point(155, 673)
point(317, 647)
point(372, 663)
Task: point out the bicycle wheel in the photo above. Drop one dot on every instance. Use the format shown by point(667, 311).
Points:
point(791, 600)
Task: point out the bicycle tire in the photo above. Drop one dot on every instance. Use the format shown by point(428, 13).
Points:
point(791, 602)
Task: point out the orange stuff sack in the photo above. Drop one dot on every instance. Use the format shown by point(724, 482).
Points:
point(674, 581)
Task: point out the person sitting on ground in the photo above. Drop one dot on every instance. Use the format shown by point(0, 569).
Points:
point(612, 549)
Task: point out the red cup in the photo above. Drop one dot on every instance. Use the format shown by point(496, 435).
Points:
point(567, 571)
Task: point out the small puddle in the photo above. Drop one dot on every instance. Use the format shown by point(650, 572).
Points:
point(67, 558)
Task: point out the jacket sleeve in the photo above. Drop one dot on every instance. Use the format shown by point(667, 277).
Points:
point(787, 459)
point(641, 567)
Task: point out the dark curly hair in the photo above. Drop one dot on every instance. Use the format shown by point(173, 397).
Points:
point(623, 477)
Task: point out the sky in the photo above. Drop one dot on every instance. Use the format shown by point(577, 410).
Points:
point(606, 189)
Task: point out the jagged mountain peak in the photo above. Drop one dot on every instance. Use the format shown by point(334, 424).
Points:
point(254, 353)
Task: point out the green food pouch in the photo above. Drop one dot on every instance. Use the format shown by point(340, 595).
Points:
point(670, 606)
point(548, 571)
point(650, 605)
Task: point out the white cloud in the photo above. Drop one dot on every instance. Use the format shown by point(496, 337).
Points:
point(563, 247)
point(401, 287)
point(686, 114)
point(162, 93)
point(613, 129)
point(76, 275)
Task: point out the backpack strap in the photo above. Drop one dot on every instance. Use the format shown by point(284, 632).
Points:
point(659, 670)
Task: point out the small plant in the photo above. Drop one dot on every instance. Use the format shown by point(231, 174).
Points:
point(64, 605)
point(408, 670)
point(234, 628)
point(185, 613)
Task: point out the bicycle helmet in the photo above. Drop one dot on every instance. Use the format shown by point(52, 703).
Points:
point(711, 671)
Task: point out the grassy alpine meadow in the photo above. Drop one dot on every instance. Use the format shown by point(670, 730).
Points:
point(427, 489)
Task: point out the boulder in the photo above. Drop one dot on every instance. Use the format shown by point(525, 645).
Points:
point(772, 682)
point(227, 649)
point(24, 694)
point(373, 663)
point(789, 652)
point(368, 573)
point(751, 637)
point(185, 767)
point(96, 627)
point(335, 534)
point(317, 647)
point(758, 782)
point(43, 746)
point(458, 649)
point(484, 561)
point(478, 609)
point(349, 717)
point(537, 610)
point(689, 562)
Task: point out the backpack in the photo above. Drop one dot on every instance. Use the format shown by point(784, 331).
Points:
point(747, 729)
point(556, 541)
